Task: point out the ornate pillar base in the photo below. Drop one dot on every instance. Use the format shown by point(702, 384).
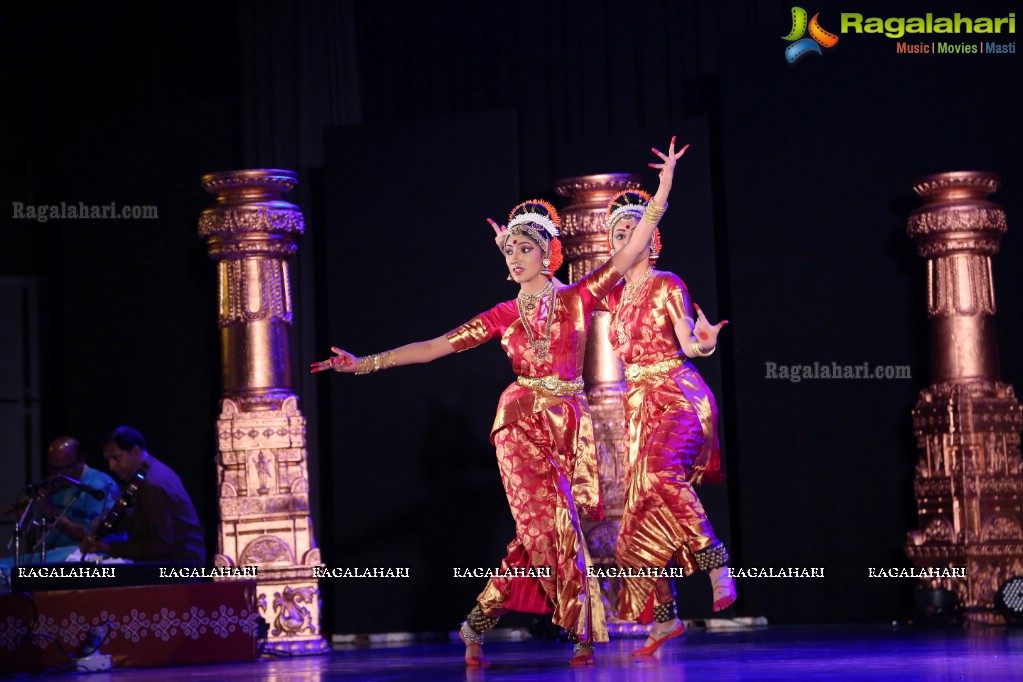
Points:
point(264, 508)
point(969, 491)
point(289, 600)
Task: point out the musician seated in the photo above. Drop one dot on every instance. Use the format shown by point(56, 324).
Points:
point(160, 520)
point(65, 506)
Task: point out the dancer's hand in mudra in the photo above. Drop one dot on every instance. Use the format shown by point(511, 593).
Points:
point(667, 164)
point(341, 361)
point(706, 333)
point(500, 233)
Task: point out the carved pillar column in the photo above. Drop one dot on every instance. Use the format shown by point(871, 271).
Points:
point(584, 238)
point(969, 481)
point(261, 456)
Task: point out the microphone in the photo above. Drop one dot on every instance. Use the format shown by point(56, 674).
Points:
point(96, 493)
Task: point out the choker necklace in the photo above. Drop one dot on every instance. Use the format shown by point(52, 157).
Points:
point(541, 346)
point(629, 292)
point(528, 301)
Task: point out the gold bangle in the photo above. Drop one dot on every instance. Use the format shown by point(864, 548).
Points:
point(653, 213)
point(695, 347)
point(375, 362)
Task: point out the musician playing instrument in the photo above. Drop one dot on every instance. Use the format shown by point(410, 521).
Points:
point(161, 521)
point(66, 504)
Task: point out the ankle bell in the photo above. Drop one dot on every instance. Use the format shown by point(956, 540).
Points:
point(664, 613)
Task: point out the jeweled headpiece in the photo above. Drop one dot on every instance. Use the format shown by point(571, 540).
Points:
point(539, 221)
point(630, 203)
point(536, 219)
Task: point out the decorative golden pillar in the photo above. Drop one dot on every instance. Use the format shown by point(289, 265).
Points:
point(584, 238)
point(261, 458)
point(969, 482)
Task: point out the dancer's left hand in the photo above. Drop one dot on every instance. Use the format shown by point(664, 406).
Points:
point(667, 164)
point(342, 361)
point(705, 332)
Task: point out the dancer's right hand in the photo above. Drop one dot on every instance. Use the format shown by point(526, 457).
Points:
point(500, 234)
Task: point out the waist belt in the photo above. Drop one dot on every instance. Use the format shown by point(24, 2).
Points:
point(552, 385)
point(636, 373)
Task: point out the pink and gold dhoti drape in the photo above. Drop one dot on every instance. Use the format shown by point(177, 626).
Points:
point(673, 444)
point(545, 451)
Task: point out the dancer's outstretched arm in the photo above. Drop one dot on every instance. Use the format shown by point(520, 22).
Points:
point(410, 354)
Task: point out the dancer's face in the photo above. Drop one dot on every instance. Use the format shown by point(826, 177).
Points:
point(622, 233)
point(524, 258)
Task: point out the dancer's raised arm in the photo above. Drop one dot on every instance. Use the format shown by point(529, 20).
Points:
point(627, 256)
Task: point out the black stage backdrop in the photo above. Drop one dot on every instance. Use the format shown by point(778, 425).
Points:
point(808, 166)
point(407, 256)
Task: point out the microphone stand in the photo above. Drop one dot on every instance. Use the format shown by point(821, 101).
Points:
point(33, 490)
point(46, 529)
point(19, 529)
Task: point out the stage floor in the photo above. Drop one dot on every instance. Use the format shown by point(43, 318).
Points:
point(770, 653)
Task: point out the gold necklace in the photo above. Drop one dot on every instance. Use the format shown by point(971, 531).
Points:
point(529, 301)
point(629, 293)
point(541, 347)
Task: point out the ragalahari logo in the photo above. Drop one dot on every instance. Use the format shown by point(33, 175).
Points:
point(801, 46)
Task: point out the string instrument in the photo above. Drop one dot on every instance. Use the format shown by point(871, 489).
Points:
point(128, 493)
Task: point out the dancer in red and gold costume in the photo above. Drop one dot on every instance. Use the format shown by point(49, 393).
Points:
point(542, 433)
point(672, 425)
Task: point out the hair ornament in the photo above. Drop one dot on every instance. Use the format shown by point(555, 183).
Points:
point(538, 213)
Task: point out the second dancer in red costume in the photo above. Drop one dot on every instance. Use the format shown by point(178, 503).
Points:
point(672, 427)
point(542, 432)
